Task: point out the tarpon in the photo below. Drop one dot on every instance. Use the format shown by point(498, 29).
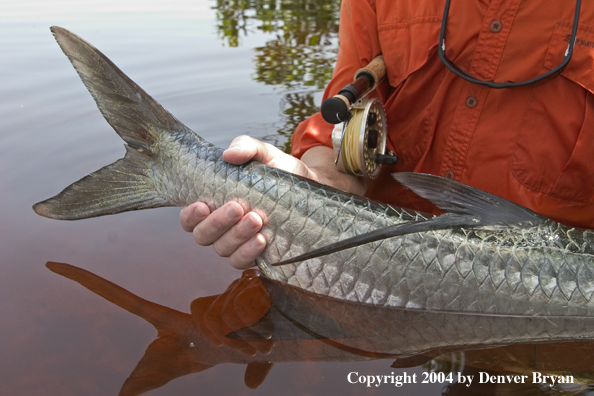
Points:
point(485, 254)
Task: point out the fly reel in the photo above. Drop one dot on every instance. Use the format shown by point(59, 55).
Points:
point(359, 136)
point(360, 142)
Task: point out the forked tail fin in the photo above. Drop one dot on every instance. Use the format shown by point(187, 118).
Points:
point(138, 119)
point(119, 187)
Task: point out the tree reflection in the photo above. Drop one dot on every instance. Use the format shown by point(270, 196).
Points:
point(294, 108)
point(300, 58)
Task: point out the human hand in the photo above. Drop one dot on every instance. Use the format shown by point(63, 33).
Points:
point(231, 229)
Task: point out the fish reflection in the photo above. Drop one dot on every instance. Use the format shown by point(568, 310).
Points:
point(259, 322)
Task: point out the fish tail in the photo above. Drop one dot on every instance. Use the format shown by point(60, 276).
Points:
point(129, 183)
point(119, 187)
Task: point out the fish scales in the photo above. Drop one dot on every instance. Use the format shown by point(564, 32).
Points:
point(485, 255)
point(505, 270)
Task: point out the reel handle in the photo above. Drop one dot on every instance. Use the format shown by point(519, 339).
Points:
point(337, 108)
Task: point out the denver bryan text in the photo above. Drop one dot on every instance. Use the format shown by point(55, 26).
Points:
point(537, 378)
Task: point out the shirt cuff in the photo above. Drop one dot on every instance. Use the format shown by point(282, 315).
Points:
point(312, 132)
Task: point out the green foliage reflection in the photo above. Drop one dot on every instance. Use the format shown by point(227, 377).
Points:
point(301, 55)
point(295, 107)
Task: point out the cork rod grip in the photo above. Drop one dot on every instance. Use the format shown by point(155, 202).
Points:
point(336, 109)
point(376, 68)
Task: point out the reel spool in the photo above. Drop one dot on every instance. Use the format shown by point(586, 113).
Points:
point(360, 142)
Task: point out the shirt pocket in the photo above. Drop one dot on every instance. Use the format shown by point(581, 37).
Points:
point(406, 46)
point(554, 150)
point(410, 47)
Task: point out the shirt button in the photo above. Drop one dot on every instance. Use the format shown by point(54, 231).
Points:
point(449, 175)
point(496, 26)
point(471, 101)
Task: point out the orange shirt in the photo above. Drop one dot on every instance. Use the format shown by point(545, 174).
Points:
point(533, 145)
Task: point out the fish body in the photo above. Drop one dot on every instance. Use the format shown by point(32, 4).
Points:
point(484, 255)
point(259, 323)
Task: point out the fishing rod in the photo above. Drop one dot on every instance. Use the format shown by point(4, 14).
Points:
point(360, 132)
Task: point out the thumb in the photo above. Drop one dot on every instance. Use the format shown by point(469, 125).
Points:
point(245, 148)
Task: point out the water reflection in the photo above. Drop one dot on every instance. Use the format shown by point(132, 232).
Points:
point(295, 107)
point(258, 323)
point(301, 56)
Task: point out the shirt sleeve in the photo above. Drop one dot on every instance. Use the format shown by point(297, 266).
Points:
point(359, 44)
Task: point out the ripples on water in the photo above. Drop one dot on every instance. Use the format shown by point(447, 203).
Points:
point(221, 67)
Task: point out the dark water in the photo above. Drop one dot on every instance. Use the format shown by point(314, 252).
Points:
point(223, 68)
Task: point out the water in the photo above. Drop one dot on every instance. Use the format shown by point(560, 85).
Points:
point(223, 68)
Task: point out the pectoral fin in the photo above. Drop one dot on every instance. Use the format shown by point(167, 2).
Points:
point(436, 223)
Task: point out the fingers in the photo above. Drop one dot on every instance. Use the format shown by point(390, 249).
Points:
point(237, 235)
point(217, 223)
point(193, 214)
point(232, 233)
point(246, 254)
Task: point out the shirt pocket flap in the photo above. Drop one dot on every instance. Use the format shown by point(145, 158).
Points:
point(581, 66)
point(407, 46)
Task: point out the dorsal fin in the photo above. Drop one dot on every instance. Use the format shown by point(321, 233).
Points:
point(457, 198)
